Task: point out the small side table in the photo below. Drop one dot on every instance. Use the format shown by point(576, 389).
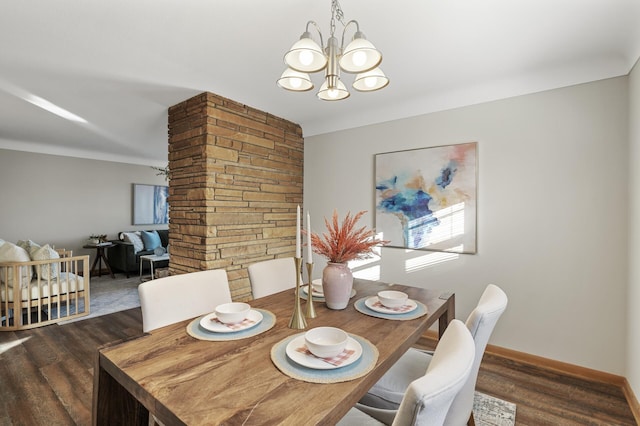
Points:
point(100, 257)
point(152, 258)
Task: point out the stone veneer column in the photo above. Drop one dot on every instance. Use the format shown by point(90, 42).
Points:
point(236, 179)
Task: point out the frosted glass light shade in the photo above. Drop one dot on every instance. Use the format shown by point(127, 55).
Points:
point(295, 81)
point(370, 81)
point(360, 55)
point(333, 94)
point(305, 55)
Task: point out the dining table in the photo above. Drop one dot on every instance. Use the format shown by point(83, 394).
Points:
point(182, 378)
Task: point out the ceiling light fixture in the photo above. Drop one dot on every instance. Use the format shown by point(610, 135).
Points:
point(359, 57)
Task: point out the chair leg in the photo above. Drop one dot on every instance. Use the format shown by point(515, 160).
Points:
point(471, 421)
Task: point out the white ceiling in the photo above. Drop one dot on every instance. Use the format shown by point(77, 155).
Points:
point(119, 64)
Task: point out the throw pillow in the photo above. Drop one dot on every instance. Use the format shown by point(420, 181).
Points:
point(10, 252)
point(27, 245)
point(48, 271)
point(134, 238)
point(151, 240)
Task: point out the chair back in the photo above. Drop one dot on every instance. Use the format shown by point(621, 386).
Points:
point(272, 276)
point(481, 322)
point(175, 298)
point(429, 398)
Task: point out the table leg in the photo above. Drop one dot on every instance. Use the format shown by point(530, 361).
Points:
point(93, 266)
point(112, 404)
point(448, 316)
point(141, 260)
point(106, 263)
point(152, 262)
point(99, 256)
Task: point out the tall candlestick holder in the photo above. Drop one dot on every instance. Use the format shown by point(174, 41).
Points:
point(297, 320)
point(311, 311)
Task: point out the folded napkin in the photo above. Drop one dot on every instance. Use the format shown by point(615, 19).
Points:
point(334, 360)
point(314, 291)
point(403, 308)
point(238, 325)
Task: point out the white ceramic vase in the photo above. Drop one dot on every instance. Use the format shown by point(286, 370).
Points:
point(337, 283)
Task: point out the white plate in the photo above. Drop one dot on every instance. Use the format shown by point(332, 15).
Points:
point(305, 290)
point(316, 363)
point(370, 302)
point(208, 322)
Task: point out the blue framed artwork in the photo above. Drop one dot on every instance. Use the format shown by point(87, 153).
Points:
point(150, 204)
point(426, 198)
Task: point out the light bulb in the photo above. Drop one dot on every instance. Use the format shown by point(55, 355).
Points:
point(370, 81)
point(295, 82)
point(305, 57)
point(359, 58)
point(332, 93)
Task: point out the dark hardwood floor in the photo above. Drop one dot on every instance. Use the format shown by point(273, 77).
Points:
point(46, 378)
point(545, 397)
point(46, 374)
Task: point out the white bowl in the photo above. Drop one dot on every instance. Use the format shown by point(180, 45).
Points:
point(392, 298)
point(231, 313)
point(325, 342)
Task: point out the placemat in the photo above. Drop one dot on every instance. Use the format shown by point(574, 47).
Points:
point(195, 330)
point(420, 310)
point(343, 374)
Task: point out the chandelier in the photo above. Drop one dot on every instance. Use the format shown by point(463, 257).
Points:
point(359, 57)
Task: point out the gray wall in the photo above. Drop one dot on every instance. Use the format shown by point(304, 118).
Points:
point(62, 200)
point(552, 214)
point(633, 301)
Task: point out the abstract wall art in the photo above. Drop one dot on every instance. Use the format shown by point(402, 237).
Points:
point(426, 198)
point(150, 205)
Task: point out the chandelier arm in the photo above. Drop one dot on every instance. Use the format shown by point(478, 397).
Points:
point(318, 30)
point(345, 30)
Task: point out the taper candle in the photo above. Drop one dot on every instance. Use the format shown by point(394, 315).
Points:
point(298, 253)
point(309, 254)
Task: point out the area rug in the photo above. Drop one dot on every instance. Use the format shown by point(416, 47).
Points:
point(110, 295)
point(490, 411)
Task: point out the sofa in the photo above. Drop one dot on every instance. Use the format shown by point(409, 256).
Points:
point(124, 256)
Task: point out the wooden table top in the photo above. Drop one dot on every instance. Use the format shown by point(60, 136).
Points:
point(99, 245)
point(183, 380)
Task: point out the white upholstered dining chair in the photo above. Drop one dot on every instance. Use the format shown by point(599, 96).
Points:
point(272, 276)
point(389, 390)
point(427, 399)
point(175, 298)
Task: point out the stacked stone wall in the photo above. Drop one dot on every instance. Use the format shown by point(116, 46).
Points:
point(236, 178)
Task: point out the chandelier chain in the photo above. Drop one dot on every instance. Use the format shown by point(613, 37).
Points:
point(336, 13)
